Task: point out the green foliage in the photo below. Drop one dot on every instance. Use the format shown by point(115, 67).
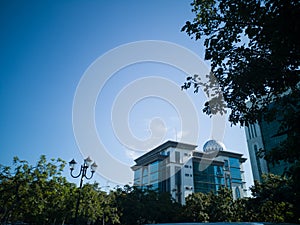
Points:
point(141, 206)
point(210, 207)
point(41, 195)
point(272, 201)
point(273, 187)
point(254, 50)
point(35, 194)
point(96, 206)
point(253, 47)
point(220, 207)
point(196, 207)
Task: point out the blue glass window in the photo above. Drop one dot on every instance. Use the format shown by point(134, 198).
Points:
point(145, 180)
point(145, 175)
point(137, 174)
point(154, 167)
point(145, 171)
point(153, 177)
point(218, 171)
point(209, 179)
point(235, 173)
point(234, 162)
point(236, 180)
point(237, 193)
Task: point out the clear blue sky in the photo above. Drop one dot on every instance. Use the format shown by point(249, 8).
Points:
point(46, 46)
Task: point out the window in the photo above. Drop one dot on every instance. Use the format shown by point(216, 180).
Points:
point(257, 159)
point(153, 177)
point(227, 181)
point(145, 180)
point(237, 193)
point(226, 164)
point(251, 130)
point(137, 174)
point(177, 157)
point(145, 171)
point(235, 173)
point(248, 128)
point(254, 130)
point(178, 183)
point(145, 175)
point(154, 167)
point(219, 171)
point(234, 162)
point(163, 153)
point(137, 177)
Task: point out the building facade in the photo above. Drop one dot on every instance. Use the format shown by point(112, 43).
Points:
point(255, 143)
point(181, 169)
point(263, 135)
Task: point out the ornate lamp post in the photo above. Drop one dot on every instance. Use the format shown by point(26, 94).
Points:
point(86, 164)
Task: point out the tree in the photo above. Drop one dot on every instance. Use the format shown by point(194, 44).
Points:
point(111, 213)
point(90, 209)
point(196, 208)
point(39, 194)
point(141, 206)
point(210, 207)
point(254, 50)
point(10, 190)
point(96, 206)
point(221, 206)
point(35, 194)
point(273, 200)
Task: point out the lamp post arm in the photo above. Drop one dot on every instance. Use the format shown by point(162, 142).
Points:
point(88, 178)
point(76, 176)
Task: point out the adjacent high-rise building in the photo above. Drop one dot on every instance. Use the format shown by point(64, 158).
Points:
point(255, 143)
point(181, 169)
point(263, 135)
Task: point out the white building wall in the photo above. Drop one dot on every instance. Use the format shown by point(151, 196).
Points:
point(186, 167)
point(187, 179)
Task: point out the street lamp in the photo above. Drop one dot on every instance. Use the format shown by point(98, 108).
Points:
point(86, 164)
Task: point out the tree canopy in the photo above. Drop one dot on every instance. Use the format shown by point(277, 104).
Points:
point(254, 50)
point(39, 194)
point(35, 193)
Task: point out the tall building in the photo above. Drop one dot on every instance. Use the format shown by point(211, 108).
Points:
point(255, 143)
point(263, 135)
point(181, 170)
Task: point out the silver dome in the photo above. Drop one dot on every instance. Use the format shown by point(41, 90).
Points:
point(213, 145)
